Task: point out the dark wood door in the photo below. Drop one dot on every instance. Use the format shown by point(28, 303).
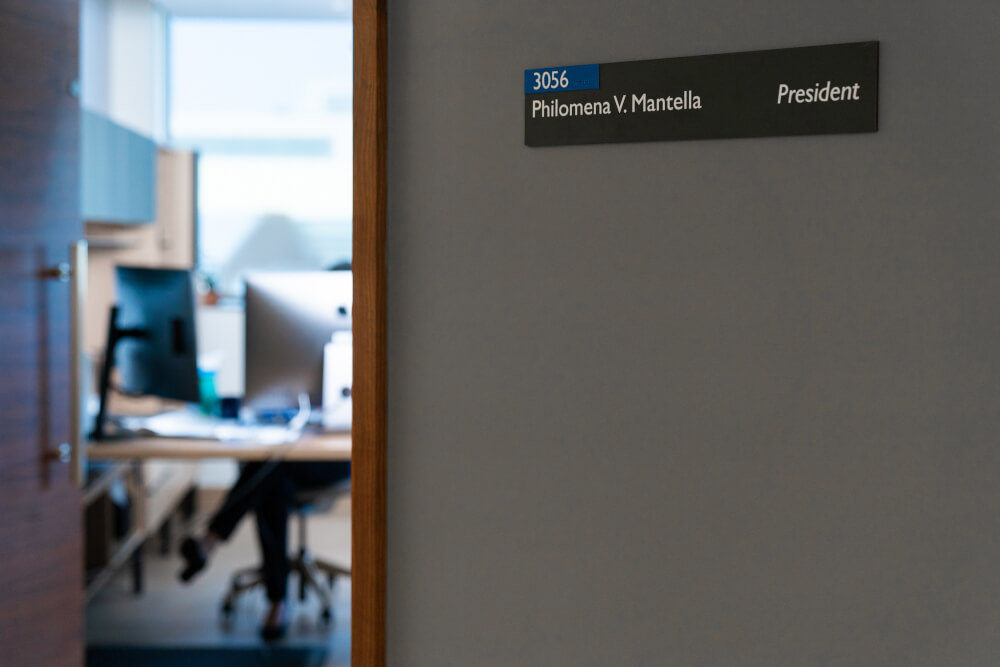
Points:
point(41, 578)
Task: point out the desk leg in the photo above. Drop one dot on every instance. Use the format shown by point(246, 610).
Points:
point(189, 505)
point(137, 571)
point(139, 525)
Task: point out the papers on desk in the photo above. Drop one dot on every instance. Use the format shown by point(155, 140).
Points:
point(191, 424)
point(256, 434)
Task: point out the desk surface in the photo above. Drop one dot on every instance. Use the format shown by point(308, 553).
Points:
point(310, 447)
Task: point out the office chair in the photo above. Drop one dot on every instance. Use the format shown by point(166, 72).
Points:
point(309, 569)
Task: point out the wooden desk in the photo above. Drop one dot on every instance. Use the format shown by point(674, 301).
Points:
point(309, 447)
point(130, 455)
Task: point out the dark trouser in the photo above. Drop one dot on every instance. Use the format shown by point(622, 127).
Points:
point(268, 488)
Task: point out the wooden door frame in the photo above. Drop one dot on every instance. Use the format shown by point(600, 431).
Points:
point(368, 435)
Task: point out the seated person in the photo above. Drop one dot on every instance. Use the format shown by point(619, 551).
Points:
point(269, 489)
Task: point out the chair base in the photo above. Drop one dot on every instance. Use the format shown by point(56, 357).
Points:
point(310, 571)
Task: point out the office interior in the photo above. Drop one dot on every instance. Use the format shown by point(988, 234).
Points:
point(719, 402)
point(215, 152)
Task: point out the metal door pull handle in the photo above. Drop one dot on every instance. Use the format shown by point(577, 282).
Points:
point(73, 272)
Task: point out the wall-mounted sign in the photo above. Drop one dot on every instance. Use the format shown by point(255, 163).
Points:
point(809, 90)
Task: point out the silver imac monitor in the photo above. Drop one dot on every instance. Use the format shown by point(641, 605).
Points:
point(290, 317)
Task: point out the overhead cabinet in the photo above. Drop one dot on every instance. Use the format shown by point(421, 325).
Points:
point(117, 172)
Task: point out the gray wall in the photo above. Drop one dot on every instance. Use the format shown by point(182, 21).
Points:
point(698, 403)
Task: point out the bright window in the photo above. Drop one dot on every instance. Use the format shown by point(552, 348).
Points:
point(267, 105)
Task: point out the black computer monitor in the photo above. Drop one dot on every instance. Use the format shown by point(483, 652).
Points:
point(290, 317)
point(151, 337)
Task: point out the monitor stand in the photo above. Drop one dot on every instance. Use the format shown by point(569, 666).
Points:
point(116, 334)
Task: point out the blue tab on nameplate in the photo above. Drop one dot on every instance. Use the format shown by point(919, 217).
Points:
point(554, 79)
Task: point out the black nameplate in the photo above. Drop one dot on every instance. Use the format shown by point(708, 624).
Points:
point(809, 90)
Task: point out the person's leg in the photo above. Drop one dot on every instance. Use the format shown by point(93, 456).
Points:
point(254, 483)
point(272, 532)
point(272, 529)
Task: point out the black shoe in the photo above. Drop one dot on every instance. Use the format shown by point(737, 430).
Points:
point(194, 558)
point(270, 633)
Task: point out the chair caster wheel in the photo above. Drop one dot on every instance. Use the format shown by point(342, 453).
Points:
point(326, 615)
